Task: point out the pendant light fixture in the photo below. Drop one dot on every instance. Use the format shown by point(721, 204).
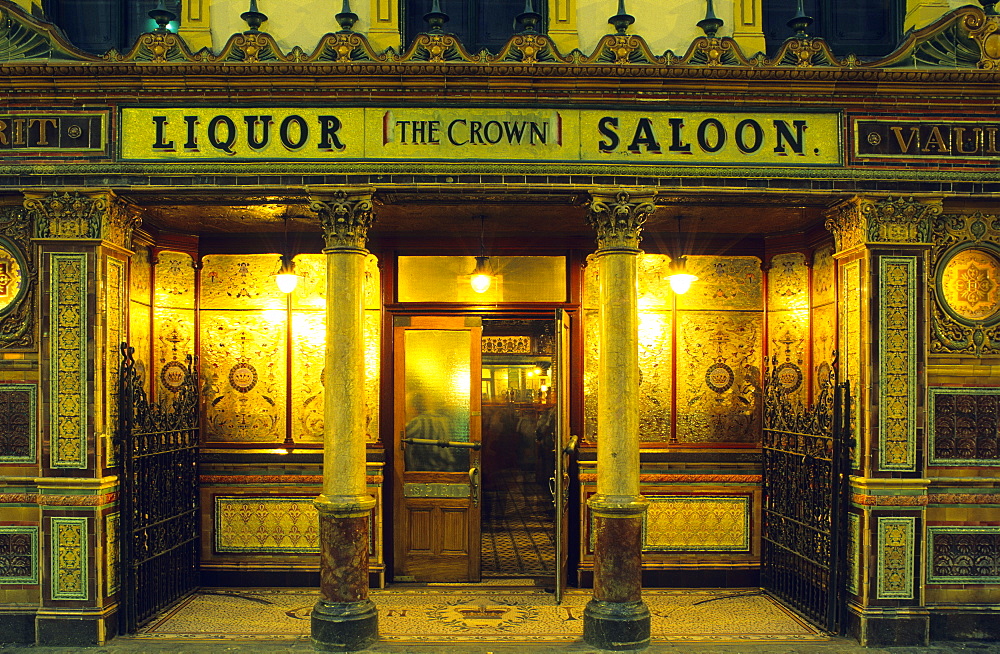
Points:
point(482, 275)
point(286, 278)
point(680, 279)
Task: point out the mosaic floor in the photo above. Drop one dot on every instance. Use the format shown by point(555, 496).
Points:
point(518, 534)
point(497, 614)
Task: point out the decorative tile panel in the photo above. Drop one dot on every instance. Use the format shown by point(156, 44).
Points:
point(18, 423)
point(895, 557)
point(114, 298)
point(686, 523)
point(241, 282)
point(68, 360)
point(655, 382)
point(18, 280)
point(718, 376)
point(964, 426)
point(112, 553)
point(851, 330)
point(788, 333)
point(68, 552)
point(18, 555)
point(824, 344)
point(788, 283)
point(854, 553)
point(963, 555)
point(175, 280)
point(591, 349)
point(897, 363)
point(173, 341)
point(266, 525)
point(824, 278)
point(732, 283)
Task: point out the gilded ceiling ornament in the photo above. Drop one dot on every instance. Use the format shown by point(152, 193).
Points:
point(618, 218)
point(346, 217)
point(861, 220)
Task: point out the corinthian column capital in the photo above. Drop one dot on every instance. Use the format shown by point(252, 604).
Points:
point(346, 217)
point(860, 220)
point(88, 215)
point(618, 215)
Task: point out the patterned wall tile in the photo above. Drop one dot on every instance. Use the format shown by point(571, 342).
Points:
point(964, 425)
point(115, 300)
point(788, 283)
point(897, 363)
point(18, 555)
point(963, 555)
point(852, 316)
point(265, 525)
point(824, 343)
point(68, 557)
point(896, 549)
point(175, 277)
point(68, 360)
point(244, 282)
point(824, 276)
point(854, 553)
point(18, 423)
point(688, 523)
point(112, 553)
point(724, 283)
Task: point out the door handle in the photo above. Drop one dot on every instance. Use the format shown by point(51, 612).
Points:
point(571, 446)
point(474, 485)
point(552, 488)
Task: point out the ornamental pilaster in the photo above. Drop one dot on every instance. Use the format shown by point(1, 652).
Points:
point(865, 220)
point(346, 216)
point(74, 215)
point(618, 217)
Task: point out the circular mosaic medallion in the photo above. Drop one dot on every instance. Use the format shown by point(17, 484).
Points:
point(487, 614)
point(11, 278)
point(789, 377)
point(172, 375)
point(970, 285)
point(243, 377)
point(719, 377)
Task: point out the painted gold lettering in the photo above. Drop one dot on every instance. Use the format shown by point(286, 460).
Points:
point(784, 135)
point(991, 133)
point(740, 136)
point(677, 143)
point(604, 126)
point(936, 139)
point(285, 132)
point(977, 140)
point(225, 144)
point(474, 132)
point(328, 137)
point(451, 131)
point(43, 128)
point(265, 136)
point(904, 146)
point(720, 135)
point(4, 140)
point(192, 134)
point(644, 136)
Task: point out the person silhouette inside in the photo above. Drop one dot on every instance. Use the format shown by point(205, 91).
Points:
point(430, 423)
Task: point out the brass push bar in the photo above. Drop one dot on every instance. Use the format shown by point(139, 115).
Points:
point(431, 441)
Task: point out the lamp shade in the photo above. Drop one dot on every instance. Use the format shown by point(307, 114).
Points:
point(286, 278)
point(680, 283)
point(482, 277)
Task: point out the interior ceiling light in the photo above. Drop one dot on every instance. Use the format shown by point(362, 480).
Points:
point(482, 275)
point(680, 279)
point(286, 278)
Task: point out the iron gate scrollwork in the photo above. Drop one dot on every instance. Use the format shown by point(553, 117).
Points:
point(157, 446)
point(806, 459)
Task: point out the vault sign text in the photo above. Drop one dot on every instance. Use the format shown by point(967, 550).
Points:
point(481, 134)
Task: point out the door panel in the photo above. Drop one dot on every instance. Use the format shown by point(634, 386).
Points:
point(436, 451)
point(565, 445)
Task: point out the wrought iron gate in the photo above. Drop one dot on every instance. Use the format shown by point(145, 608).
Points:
point(157, 446)
point(806, 458)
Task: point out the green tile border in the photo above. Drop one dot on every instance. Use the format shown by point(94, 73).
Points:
point(932, 431)
point(112, 553)
point(908, 377)
point(902, 588)
point(854, 553)
point(33, 533)
point(69, 561)
point(32, 390)
point(934, 531)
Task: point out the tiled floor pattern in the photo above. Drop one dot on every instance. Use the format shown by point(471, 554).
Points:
point(475, 614)
point(518, 534)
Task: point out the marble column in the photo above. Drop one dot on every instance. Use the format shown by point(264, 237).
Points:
point(344, 619)
point(616, 617)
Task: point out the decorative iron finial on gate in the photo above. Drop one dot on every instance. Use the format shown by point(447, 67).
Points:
point(622, 19)
point(346, 18)
point(253, 18)
point(529, 19)
point(801, 22)
point(711, 23)
point(436, 18)
point(989, 7)
point(162, 16)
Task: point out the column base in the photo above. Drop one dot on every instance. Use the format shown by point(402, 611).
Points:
point(909, 629)
point(616, 625)
point(344, 626)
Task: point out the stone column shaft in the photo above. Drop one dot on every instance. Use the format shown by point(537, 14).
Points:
point(617, 618)
point(344, 619)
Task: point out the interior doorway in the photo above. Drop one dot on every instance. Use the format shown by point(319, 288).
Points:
point(481, 410)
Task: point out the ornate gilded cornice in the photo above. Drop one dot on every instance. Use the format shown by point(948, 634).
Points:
point(618, 217)
point(863, 220)
point(89, 215)
point(965, 38)
point(346, 217)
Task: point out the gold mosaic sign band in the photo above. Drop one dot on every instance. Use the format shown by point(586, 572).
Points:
point(482, 134)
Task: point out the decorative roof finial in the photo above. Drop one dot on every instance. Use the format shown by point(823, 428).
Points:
point(253, 18)
point(621, 20)
point(711, 23)
point(801, 22)
point(436, 18)
point(162, 16)
point(529, 19)
point(346, 18)
point(989, 7)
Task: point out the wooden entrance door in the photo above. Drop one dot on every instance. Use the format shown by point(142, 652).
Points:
point(436, 480)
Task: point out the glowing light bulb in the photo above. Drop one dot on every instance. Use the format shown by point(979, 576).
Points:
point(481, 278)
point(286, 278)
point(681, 283)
